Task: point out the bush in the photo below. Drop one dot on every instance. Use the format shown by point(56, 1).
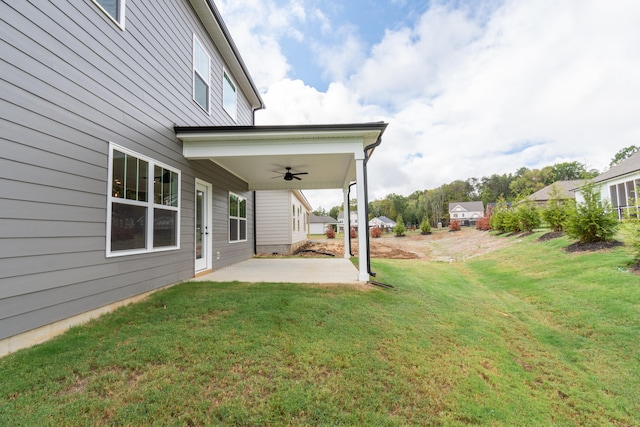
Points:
point(425, 226)
point(454, 225)
point(400, 228)
point(376, 232)
point(498, 216)
point(331, 234)
point(557, 211)
point(483, 224)
point(510, 221)
point(353, 233)
point(528, 217)
point(592, 220)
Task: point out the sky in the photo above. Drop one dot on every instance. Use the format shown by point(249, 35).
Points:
point(469, 88)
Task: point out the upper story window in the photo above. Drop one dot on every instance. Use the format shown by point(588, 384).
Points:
point(201, 74)
point(114, 9)
point(229, 96)
point(143, 204)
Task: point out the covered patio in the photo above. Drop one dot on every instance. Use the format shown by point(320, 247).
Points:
point(286, 270)
point(331, 157)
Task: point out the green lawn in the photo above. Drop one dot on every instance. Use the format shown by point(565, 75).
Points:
point(526, 336)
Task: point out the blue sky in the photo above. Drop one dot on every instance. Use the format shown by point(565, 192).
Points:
point(469, 88)
point(367, 20)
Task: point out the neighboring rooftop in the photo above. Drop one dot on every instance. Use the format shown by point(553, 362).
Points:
point(567, 190)
point(629, 165)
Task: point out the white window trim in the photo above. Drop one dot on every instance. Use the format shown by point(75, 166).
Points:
point(149, 204)
point(233, 114)
point(194, 70)
point(121, 11)
point(229, 217)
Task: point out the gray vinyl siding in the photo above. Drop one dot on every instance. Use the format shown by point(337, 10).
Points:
point(72, 82)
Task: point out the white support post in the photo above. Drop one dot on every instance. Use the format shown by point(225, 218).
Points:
point(345, 210)
point(363, 223)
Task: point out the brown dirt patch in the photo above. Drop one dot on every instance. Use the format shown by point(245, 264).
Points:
point(438, 246)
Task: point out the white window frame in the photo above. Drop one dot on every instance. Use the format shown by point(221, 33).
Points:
point(229, 83)
point(240, 220)
point(150, 204)
point(195, 69)
point(118, 20)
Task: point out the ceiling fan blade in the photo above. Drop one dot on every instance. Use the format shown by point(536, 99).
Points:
point(295, 177)
point(300, 173)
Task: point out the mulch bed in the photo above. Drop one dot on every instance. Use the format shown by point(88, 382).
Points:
point(594, 246)
point(550, 235)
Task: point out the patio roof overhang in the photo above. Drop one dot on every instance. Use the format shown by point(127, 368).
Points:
point(257, 154)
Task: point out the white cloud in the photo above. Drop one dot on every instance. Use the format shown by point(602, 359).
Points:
point(477, 92)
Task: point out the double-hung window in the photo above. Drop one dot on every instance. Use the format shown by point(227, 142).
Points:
point(143, 205)
point(114, 9)
point(229, 96)
point(201, 74)
point(237, 218)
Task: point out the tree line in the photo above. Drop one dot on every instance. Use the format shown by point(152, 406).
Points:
point(433, 204)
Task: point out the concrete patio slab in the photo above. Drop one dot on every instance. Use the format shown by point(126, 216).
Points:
point(290, 270)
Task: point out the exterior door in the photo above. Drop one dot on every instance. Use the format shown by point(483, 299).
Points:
point(202, 226)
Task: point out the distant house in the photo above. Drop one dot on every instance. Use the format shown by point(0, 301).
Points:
point(466, 212)
point(567, 191)
point(382, 222)
point(319, 224)
point(620, 186)
point(353, 221)
point(282, 221)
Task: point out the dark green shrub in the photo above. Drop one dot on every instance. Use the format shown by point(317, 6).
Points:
point(592, 220)
point(528, 217)
point(498, 216)
point(556, 212)
point(510, 222)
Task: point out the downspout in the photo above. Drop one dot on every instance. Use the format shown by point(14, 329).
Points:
point(348, 215)
point(367, 150)
point(255, 227)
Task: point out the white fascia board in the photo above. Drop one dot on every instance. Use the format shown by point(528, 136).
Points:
point(206, 150)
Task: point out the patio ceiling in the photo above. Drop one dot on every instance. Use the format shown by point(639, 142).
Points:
point(260, 154)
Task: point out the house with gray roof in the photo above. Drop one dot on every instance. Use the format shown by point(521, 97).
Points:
point(620, 186)
point(566, 190)
point(382, 222)
point(467, 213)
point(320, 223)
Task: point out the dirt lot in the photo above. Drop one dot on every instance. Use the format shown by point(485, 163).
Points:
point(440, 246)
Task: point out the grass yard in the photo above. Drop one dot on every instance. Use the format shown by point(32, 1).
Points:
point(525, 336)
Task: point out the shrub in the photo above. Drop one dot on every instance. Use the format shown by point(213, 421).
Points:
point(557, 211)
point(510, 221)
point(498, 216)
point(376, 232)
point(454, 225)
point(400, 227)
point(331, 234)
point(483, 224)
point(353, 233)
point(425, 226)
point(592, 220)
point(528, 217)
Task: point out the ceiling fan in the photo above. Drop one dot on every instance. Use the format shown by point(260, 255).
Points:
point(289, 176)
